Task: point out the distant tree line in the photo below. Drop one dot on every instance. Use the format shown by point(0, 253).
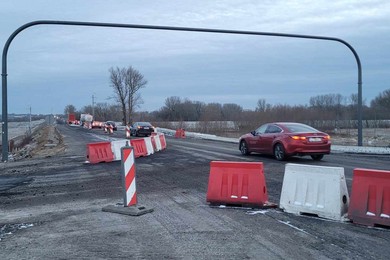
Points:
point(323, 111)
point(101, 111)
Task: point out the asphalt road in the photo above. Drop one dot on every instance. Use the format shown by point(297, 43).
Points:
point(56, 211)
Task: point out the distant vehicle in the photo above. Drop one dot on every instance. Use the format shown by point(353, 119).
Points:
point(286, 139)
point(86, 118)
point(97, 124)
point(71, 118)
point(141, 128)
point(111, 123)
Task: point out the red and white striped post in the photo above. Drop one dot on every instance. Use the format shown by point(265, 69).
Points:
point(128, 176)
point(130, 206)
point(128, 132)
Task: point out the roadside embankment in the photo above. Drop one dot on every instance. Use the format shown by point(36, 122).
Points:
point(44, 140)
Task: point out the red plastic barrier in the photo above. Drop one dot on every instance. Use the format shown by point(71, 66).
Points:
point(180, 133)
point(370, 199)
point(139, 147)
point(162, 141)
point(99, 152)
point(237, 183)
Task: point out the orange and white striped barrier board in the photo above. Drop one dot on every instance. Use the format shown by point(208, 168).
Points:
point(128, 132)
point(128, 164)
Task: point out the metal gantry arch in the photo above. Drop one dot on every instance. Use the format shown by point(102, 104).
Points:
point(167, 28)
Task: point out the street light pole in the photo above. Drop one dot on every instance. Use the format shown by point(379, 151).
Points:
point(166, 28)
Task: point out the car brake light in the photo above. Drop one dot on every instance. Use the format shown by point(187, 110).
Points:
point(327, 137)
point(297, 137)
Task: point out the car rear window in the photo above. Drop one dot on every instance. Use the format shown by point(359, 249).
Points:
point(144, 124)
point(298, 128)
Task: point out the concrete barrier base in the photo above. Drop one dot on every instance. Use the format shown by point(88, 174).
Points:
point(131, 211)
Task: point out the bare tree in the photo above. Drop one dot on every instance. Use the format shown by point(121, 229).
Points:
point(380, 105)
point(261, 105)
point(70, 109)
point(133, 81)
point(118, 83)
point(382, 100)
point(231, 112)
point(212, 112)
point(171, 108)
point(102, 112)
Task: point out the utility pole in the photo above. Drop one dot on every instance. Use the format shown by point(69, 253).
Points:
point(93, 107)
point(29, 125)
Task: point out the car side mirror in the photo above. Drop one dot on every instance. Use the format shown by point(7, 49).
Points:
point(253, 133)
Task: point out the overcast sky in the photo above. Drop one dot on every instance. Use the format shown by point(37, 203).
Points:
point(51, 66)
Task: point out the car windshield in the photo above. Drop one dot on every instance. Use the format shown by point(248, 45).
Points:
point(300, 128)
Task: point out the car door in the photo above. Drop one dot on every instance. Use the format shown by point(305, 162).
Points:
point(267, 139)
point(255, 142)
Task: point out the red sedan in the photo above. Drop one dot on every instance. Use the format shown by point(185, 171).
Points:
point(286, 139)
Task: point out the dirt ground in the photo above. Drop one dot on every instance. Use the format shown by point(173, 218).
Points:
point(377, 137)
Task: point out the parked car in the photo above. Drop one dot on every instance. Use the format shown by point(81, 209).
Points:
point(112, 123)
point(141, 128)
point(286, 139)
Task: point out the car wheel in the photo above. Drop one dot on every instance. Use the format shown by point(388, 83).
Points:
point(244, 148)
point(279, 152)
point(317, 157)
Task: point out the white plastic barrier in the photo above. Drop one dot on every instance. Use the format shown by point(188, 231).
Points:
point(116, 148)
point(156, 139)
point(149, 145)
point(315, 190)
